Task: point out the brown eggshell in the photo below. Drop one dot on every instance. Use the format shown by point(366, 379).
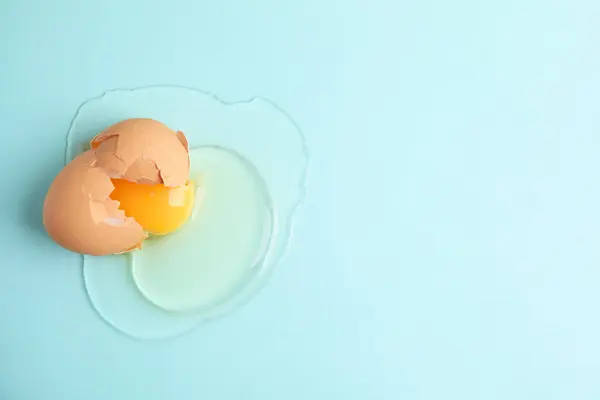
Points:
point(79, 215)
point(145, 151)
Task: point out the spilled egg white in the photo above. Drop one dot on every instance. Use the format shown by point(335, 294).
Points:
point(249, 166)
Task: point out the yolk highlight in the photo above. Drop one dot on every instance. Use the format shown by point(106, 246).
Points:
point(157, 208)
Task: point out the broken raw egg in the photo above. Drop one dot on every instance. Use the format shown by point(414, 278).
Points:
point(134, 181)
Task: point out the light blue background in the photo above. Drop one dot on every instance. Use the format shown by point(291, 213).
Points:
point(449, 246)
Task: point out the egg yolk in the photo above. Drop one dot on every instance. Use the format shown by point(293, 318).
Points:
point(157, 208)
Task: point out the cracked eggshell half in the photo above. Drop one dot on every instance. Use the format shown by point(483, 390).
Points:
point(143, 150)
point(80, 216)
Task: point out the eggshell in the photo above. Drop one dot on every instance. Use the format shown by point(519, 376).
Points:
point(80, 216)
point(145, 151)
point(78, 212)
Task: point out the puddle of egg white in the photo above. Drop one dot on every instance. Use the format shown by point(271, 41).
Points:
point(250, 160)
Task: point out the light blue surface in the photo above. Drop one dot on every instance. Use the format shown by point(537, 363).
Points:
point(448, 248)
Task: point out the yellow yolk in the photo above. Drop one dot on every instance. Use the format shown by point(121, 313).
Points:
point(157, 208)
